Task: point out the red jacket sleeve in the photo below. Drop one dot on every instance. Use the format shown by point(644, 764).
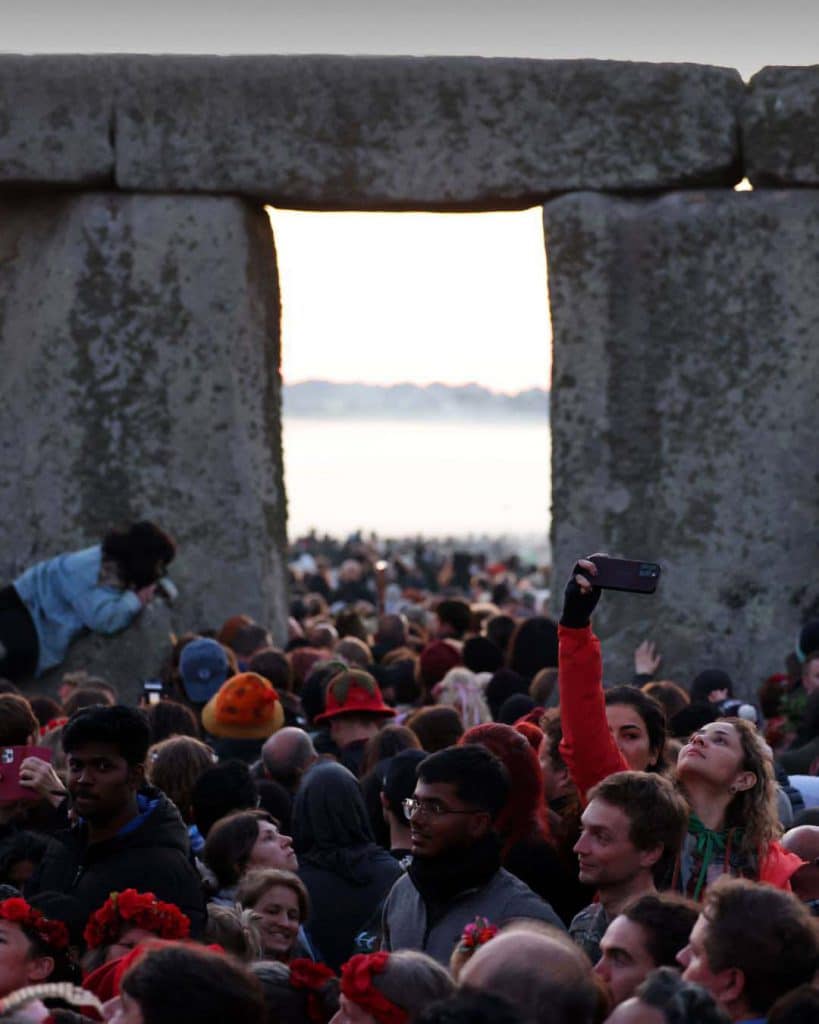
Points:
point(587, 747)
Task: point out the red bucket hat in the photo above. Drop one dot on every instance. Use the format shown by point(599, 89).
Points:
point(353, 692)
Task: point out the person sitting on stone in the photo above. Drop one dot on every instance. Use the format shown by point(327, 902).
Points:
point(100, 588)
point(456, 874)
point(631, 822)
point(750, 945)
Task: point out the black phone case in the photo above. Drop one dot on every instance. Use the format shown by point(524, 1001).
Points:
point(628, 575)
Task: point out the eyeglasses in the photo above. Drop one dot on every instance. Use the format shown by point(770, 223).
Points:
point(429, 808)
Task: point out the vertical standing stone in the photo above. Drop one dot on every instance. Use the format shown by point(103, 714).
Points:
point(683, 417)
point(139, 346)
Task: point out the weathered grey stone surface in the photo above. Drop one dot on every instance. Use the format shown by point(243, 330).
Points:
point(139, 350)
point(780, 127)
point(385, 132)
point(56, 116)
point(125, 660)
point(686, 381)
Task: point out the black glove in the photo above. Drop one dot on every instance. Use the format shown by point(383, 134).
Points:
point(577, 606)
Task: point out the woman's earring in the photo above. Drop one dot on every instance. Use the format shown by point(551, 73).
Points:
point(733, 789)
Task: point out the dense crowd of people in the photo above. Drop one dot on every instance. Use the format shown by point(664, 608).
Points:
point(423, 806)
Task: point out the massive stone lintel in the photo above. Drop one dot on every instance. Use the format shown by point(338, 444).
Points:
point(139, 350)
point(369, 132)
point(56, 120)
point(780, 127)
point(683, 415)
point(422, 132)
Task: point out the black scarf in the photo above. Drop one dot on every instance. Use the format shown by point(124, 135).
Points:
point(440, 880)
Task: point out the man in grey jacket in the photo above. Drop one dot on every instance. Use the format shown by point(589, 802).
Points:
point(456, 874)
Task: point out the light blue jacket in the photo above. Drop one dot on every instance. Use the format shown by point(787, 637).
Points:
point(64, 596)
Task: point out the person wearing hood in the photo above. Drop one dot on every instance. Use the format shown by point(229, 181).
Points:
point(126, 834)
point(347, 875)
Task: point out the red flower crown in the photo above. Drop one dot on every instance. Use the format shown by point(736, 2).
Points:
point(477, 933)
point(53, 934)
point(357, 986)
point(130, 908)
point(307, 974)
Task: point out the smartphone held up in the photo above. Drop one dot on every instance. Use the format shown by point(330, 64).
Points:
point(10, 760)
point(629, 575)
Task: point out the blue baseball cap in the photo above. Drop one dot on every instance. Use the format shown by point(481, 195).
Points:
point(203, 666)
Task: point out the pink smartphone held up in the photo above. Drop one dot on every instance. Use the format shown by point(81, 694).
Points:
point(10, 760)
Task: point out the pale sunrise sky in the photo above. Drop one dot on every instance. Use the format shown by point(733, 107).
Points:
point(414, 297)
point(420, 297)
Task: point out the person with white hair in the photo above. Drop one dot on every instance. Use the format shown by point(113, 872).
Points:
point(461, 689)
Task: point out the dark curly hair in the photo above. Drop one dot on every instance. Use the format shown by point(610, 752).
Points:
point(141, 552)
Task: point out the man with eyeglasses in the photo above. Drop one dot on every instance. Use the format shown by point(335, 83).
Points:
point(456, 874)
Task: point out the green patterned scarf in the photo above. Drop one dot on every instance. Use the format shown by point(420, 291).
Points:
point(710, 844)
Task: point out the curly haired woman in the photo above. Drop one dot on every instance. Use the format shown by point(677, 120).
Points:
point(723, 771)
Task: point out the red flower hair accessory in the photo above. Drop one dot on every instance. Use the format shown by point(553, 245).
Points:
point(309, 975)
point(357, 986)
point(132, 909)
point(477, 933)
point(53, 934)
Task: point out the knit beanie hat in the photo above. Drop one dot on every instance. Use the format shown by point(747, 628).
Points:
point(246, 707)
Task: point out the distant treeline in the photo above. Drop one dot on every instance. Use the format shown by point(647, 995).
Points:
point(412, 401)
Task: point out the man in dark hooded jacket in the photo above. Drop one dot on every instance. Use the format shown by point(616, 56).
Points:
point(127, 834)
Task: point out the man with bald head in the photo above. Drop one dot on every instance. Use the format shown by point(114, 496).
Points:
point(287, 755)
point(540, 971)
point(804, 842)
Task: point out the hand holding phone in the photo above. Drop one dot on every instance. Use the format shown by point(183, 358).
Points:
point(581, 596)
point(11, 762)
point(600, 572)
